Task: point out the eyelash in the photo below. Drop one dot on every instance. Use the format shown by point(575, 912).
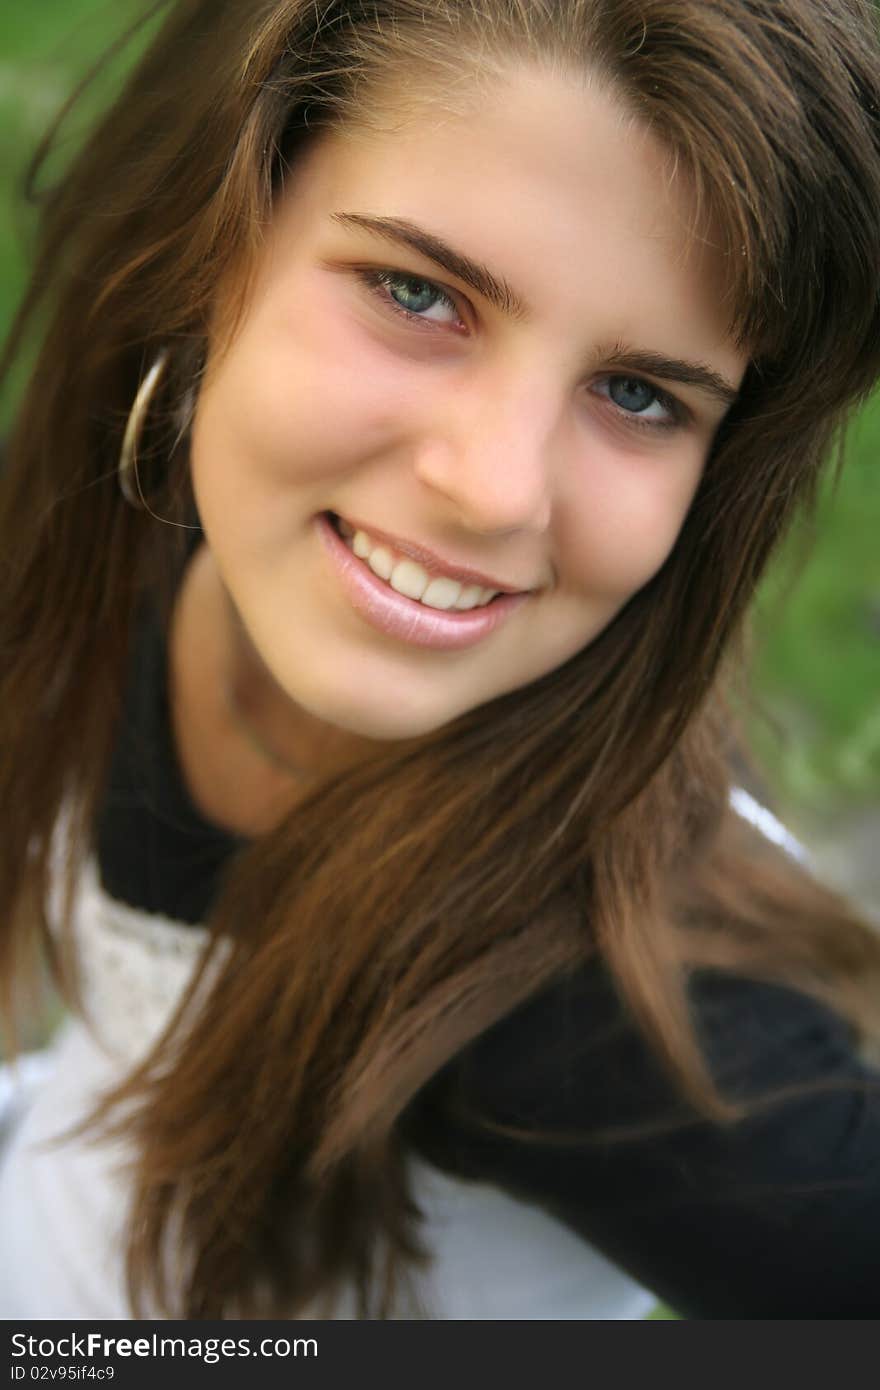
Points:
point(377, 282)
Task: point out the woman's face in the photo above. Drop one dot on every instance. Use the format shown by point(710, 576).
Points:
point(528, 409)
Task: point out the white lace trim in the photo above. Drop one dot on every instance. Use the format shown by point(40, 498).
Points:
point(134, 965)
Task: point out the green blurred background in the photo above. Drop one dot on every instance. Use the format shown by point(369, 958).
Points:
point(817, 660)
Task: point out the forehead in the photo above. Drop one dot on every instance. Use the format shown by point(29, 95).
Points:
point(547, 179)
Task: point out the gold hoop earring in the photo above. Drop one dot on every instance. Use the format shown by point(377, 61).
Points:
point(129, 482)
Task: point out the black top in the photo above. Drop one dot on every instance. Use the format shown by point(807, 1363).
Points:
point(155, 850)
point(778, 1217)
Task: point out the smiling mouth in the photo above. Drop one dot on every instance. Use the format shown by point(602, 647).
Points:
point(408, 578)
point(437, 626)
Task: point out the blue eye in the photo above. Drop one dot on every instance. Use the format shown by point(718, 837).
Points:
point(417, 299)
point(644, 405)
point(630, 393)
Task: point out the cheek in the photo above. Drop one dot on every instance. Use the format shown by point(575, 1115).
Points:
point(623, 526)
point(302, 394)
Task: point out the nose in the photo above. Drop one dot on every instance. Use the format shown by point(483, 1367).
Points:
point(491, 455)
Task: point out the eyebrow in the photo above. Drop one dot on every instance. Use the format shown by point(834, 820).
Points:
point(675, 369)
point(496, 290)
point(480, 278)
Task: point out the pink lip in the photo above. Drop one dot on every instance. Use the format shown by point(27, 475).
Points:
point(389, 612)
point(434, 564)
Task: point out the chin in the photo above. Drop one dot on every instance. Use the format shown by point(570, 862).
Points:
point(390, 724)
point(385, 720)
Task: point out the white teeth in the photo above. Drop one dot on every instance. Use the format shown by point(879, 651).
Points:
point(411, 580)
point(441, 593)
point(381, 562)
point(471, 596)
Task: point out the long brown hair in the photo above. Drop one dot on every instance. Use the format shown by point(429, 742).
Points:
point(404, 907)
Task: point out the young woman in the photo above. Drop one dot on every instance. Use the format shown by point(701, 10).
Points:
point(422, 390)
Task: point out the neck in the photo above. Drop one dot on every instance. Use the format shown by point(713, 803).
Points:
point(259, 743)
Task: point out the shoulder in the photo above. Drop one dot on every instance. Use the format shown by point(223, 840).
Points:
point(564, 1042)
point(572, 1063)
point(565, 1106)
